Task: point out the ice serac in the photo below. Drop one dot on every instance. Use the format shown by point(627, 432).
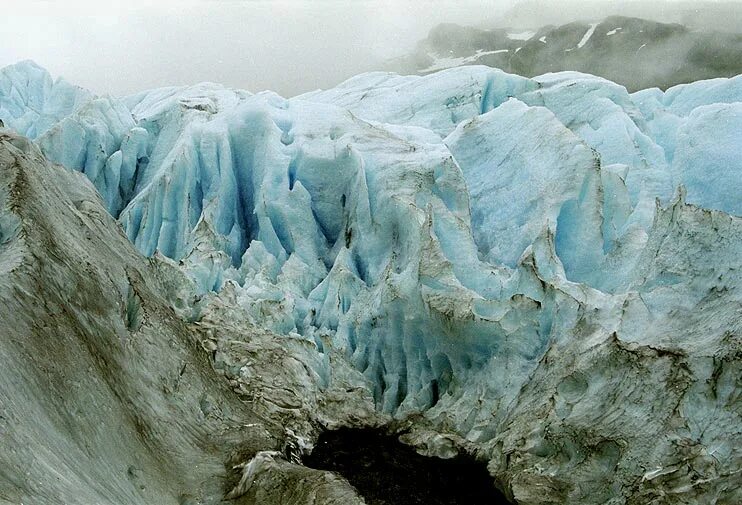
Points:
point(543, 270)
point(522, 167)
point(450, 96)
point(706, 159)
point(598, 111)
point(31, 102)
point(698, 126)
point(659, 386)
point(603, 115)
point(322, 219)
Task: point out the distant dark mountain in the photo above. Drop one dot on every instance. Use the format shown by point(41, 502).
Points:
point(695, 14)
point(634, 52)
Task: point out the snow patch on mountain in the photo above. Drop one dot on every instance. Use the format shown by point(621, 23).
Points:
point(526, 35)
point(442, 63)
point(588, 34)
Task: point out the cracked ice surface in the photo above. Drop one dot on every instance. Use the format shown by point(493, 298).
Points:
point(451, 232)
point(31, 102)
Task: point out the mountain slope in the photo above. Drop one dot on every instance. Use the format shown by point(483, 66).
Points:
point(703, 15)
point(106, 395)
point(634, 52)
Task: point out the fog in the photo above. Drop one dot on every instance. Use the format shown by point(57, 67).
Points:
point(289, 46)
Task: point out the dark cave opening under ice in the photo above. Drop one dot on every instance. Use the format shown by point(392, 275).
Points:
point(387, 472)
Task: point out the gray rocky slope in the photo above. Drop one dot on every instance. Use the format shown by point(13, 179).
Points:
point(107, 394)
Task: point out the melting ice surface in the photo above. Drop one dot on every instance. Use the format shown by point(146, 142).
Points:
point(440, 230)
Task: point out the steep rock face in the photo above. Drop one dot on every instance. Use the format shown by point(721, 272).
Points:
point(481, 253)
point(106, 395)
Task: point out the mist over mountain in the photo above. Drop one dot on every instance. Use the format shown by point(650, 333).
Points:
point(287, 46)
point(634, 52)
point(722, 15)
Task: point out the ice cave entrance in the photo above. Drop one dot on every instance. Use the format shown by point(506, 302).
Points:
point(388, 472)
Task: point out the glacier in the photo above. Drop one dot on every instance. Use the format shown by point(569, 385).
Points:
point(547, 268)
point(31, 101)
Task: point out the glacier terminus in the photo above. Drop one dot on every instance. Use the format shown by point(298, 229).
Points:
point(542, 273)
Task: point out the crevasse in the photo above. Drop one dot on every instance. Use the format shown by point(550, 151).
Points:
point(440, 230)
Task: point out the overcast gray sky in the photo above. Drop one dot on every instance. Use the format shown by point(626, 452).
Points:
point(289, 46)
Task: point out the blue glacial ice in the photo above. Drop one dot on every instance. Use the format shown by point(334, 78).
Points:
point(31, 102)
point(535, 264)
point(440, 230)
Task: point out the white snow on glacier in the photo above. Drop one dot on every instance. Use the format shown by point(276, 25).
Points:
point(441, 230)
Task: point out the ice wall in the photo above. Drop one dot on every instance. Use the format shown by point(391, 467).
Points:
point(31, 102)
point(427, 226)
